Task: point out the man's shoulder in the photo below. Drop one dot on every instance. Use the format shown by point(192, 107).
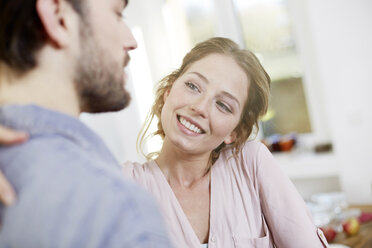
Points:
point(53, 159)
point(57, 166)
point(63, 188)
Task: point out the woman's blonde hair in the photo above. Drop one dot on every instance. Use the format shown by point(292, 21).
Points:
point(255, 106)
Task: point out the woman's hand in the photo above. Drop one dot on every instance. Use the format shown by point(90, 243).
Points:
point(7, 194)
point(9, 137)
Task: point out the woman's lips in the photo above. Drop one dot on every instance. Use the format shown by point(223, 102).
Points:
point(190, 125)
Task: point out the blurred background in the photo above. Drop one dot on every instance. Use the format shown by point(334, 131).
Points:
point(319, 56)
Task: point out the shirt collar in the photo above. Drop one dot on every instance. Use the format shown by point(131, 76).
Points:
point(36, 121)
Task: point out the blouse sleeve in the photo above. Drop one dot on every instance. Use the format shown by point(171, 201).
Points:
point(285, 211)
point(128, 169)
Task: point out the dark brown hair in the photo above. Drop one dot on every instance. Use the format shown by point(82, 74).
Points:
point(22, 33)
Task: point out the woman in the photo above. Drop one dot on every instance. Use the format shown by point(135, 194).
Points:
point(213, 186)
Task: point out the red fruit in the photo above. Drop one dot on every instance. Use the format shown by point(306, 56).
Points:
point(365, 217)
point(351, 226)
point(329, 233)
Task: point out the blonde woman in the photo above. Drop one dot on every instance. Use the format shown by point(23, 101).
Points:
point(214, 186)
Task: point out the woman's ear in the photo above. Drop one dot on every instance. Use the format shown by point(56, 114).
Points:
point(231, 138)
point(166, 94)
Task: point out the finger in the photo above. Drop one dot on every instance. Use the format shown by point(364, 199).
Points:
point(7, 194)
point(9, 137)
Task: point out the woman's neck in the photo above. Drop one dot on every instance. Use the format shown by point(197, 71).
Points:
point(181, 168)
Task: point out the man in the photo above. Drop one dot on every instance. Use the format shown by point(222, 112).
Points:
point(57, 59)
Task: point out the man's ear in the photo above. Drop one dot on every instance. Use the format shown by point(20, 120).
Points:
point(231, 138)
point(52, 14)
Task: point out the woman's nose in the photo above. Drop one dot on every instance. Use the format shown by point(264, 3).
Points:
point(200, 107)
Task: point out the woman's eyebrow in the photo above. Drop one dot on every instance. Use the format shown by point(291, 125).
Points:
point(201, 76)
point(229, 95)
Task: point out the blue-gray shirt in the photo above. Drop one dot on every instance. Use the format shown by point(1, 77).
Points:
point(70, 190)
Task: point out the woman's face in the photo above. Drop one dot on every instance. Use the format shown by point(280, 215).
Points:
point(204, 105)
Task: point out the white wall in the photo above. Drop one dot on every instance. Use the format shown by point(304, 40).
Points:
point(148, 16)
point(340, 60)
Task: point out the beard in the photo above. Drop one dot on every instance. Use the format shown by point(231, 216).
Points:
point(98, 77)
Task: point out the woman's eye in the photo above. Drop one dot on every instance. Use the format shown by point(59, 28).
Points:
point(192, 86)
point(224, 107)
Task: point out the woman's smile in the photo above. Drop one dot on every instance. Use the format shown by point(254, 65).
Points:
point(190, 125)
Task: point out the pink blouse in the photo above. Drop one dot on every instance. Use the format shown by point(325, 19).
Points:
point(253, 204)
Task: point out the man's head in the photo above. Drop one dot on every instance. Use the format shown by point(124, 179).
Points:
point(22, 33)
point(98, 53)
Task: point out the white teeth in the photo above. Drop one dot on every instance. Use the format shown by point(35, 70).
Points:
point(190, 126)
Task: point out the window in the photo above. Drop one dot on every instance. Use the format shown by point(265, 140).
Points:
point(267, 32)
point(200, 17)
point(288, 110)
